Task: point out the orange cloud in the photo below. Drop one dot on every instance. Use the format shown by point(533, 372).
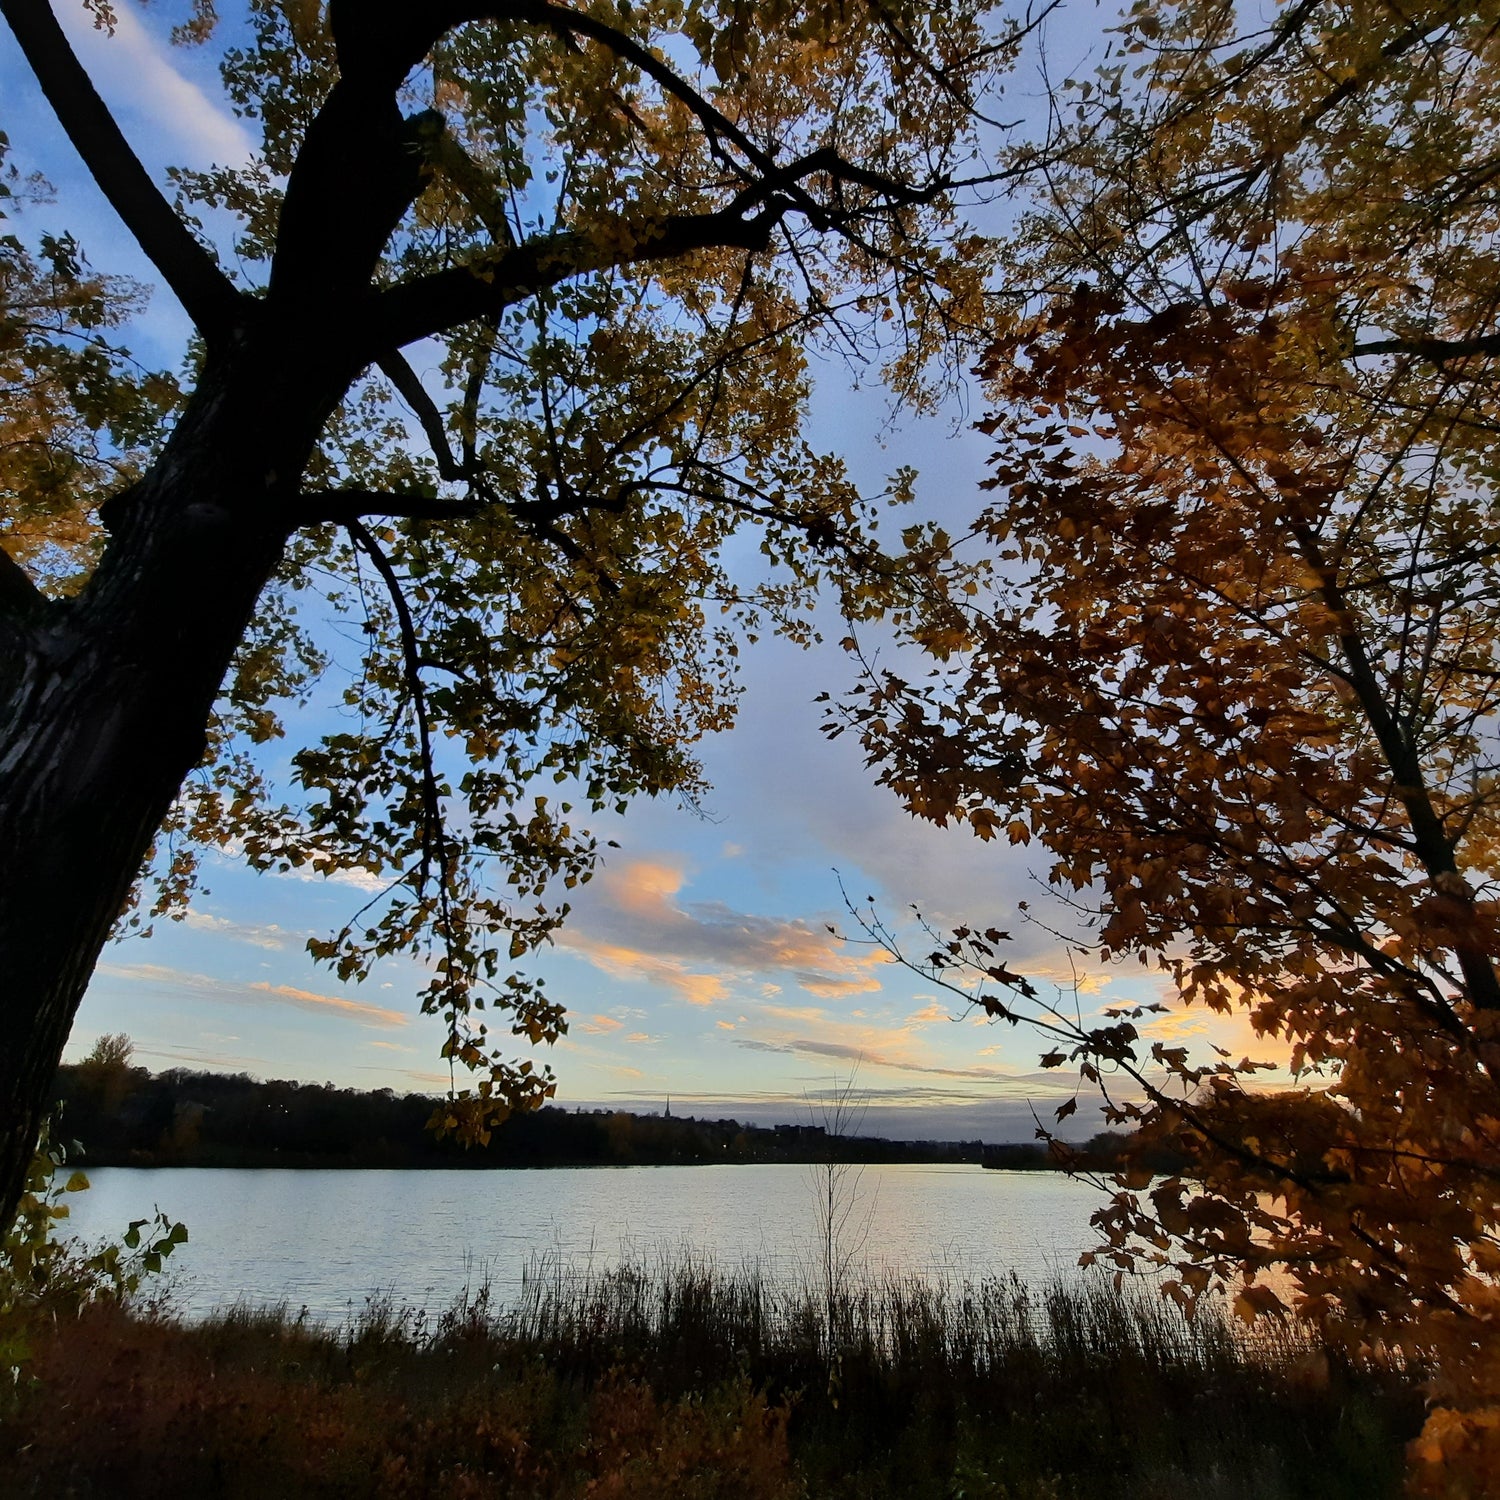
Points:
point(257, 991)
point(634, 963)
point(377, 1015)
point(643, 888)
point(634, 924)
point(600, 1025)
point(934, 1010)
point(833, 989)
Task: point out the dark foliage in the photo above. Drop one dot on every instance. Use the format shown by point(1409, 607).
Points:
point(127, 1116)
point(689, 1383)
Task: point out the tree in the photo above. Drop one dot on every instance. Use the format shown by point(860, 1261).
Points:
point(1229, 658)
point(613, 232)
point(112, 1051)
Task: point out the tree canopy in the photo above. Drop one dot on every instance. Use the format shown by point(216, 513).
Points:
point(1223, 646)
point(609, 238)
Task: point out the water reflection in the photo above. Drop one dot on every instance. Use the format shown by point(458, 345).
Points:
point(327, 1239)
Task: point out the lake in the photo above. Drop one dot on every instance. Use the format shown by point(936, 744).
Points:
point(327, 1239)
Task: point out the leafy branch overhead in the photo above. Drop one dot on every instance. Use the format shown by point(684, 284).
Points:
point(504, 330)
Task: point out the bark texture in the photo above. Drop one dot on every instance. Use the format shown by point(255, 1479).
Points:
point(104, 698)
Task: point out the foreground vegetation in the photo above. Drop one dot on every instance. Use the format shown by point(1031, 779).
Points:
point(683, 1381)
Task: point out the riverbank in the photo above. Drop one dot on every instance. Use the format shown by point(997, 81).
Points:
point(688, 1382)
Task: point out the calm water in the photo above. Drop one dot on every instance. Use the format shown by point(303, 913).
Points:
point(327, 1239)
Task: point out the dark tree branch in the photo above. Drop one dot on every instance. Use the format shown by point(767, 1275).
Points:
point(20, 598)
point(426, 306)
point(394, 367)
point(188, 269)
point(771, 177)
point(1431, 841)
point(448, 156)
point(347, 507)
point(562, 18)
point(434, 838)
point(1435, 351)
point(360, 168)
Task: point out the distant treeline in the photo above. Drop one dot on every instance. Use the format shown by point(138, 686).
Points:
point(127, 1116)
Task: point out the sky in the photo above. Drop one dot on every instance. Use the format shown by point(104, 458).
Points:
point(698, 966)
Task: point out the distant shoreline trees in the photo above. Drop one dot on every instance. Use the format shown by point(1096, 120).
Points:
point(127, 1116)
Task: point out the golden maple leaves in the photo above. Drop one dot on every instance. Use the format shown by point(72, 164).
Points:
point(1238, 626)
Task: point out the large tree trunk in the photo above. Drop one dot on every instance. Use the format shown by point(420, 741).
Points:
point(105, 699)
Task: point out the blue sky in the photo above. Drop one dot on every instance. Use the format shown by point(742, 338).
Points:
point(698, 964)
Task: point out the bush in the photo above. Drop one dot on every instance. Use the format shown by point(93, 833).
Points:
point(42, 1273)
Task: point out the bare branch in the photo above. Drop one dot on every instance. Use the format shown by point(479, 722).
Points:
point(394, 367)
point(433, 836)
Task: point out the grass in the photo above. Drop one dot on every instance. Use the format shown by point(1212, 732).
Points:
point(682, 1380)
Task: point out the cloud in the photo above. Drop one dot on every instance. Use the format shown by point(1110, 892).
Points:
point(1199, 1028)
point(201, 1057)
point(633, 925)
point(1067, 975)
point(906, 1111)
point(268, 935)
point(933, 1011)
point(442, 1080)
point(792, 1012)
point(600, 1025)
point(355, 878)
point(1175, 1025)
point(377, 1015)
point(864, 1056)
point(624, 962)
point(137, 69)
point(833, 989)
point(237, 992)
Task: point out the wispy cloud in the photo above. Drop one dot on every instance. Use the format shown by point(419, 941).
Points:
point(138, 69)
point(600, 1025)
point(633, 925)
point(180, 982)
point(376, 1015)
point(266, 935)
point(439, 1080)
point(933, 1011)
point(865, 1056)
point(207, 1058)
